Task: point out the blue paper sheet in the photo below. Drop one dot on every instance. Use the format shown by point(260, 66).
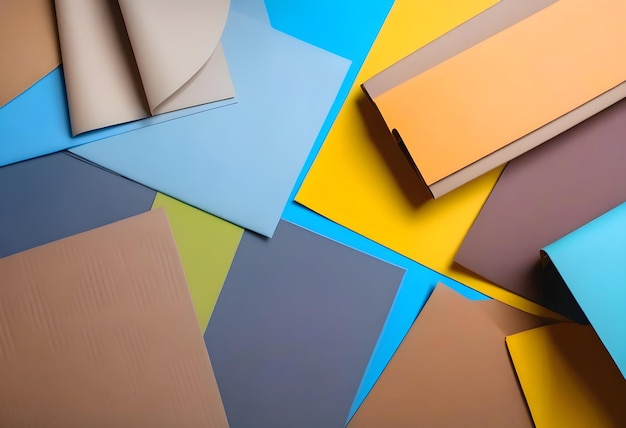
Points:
point(37, 122)
point(239, 162)
point(592, 262)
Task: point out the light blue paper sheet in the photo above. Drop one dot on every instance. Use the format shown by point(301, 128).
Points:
point(592, 262)
point(37, 122)
point(239, 162)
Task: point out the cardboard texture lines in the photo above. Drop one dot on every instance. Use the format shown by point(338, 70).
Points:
point(553, 56)
point(294, 327)
point(590, 263)
point(451, 369)
point(98, 330)
point(543, 195)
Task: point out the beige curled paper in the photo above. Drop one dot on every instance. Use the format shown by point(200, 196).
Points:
point(129, 60)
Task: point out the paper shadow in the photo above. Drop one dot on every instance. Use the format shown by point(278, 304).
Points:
point(595, 370)
point(407, 178)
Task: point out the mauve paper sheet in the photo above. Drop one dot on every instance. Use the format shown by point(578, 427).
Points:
point(542, 196)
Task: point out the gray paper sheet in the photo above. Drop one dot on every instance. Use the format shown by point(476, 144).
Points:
point(56, 196)
point(294, 327)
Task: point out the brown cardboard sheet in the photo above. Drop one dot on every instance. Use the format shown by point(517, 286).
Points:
point(99, 330)
point(452, 369)
point(542, 196)
point(29, 47)
point(134, 59)
point(493, 20)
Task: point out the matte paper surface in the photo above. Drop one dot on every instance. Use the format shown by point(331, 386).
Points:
point(207, 246)
point(294, 328)
point(543, 195)
point(59, 195)
point(511, 71)
point(568, 378)
point(29, 48)
point(56, 196)
point(98, 330)
point(37, 122)
point(363, 182)
point(239, 162)
point(485, 24)
point(125, 62)
point(591, 263)
point(451, 369)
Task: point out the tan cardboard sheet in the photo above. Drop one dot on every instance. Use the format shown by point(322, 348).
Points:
point(98, 330)
point(29, 47)
point(452, 369)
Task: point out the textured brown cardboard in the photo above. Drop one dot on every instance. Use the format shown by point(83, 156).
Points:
point(98, 330)
point(452, 369)
point(29, 47)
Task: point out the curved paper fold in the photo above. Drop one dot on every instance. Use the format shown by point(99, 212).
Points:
point(176, 46)
point(101, 79)
point(129, 61)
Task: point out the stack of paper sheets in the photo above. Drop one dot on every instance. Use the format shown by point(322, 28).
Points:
point(189, 122)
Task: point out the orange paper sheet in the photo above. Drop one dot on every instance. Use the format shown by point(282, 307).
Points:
point(509, 85)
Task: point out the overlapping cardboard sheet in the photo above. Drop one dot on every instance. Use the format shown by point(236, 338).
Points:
point(127, 61)
point(99, 330)
point(452, 369)
point(240, 162)
point(294, 328)
point(28, 45)
point(590, 261)
point(515, 70)
point(543, 195)
point(568, 378)
point(58, 195)
point(362, 181)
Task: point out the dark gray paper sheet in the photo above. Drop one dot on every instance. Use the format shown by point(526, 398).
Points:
point(56, 196)
point(294, 328)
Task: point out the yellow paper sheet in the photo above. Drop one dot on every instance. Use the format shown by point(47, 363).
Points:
point(568, 377)
point(207, 246)
point(362, 181)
